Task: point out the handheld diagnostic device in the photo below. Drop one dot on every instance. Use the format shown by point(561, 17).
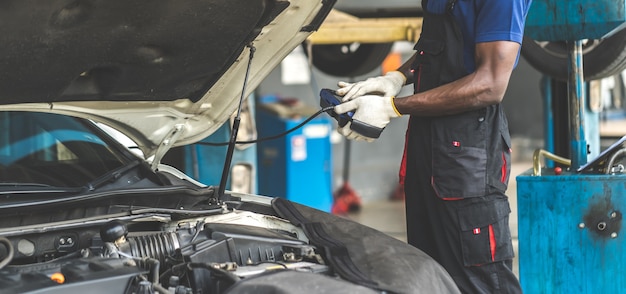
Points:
point(328, 98)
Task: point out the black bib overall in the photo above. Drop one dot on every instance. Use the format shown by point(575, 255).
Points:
point(457, 170)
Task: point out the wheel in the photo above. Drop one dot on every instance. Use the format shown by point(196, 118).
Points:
point(601, 58)
point(349, 60)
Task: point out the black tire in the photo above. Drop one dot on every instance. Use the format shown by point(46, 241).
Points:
point(349, 60)
point(601, 58)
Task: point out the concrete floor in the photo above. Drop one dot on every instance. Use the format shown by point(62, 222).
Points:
point(388, 216)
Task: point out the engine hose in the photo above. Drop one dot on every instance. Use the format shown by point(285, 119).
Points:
point(155, 268)
point(157, 246)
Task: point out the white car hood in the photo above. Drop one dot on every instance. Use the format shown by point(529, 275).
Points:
point(164, 73)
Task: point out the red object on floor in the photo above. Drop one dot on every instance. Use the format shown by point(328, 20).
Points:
point(345, 200)
point(398, 193)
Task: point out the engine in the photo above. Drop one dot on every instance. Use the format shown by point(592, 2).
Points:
point(119, 257)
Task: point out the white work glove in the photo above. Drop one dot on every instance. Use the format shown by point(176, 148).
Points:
point(370, 109)
point(388, 85)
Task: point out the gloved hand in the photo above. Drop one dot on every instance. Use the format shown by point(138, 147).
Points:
point(388, 85)
point(370, 109)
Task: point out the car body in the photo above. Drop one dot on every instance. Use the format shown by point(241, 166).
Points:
point(82, 213)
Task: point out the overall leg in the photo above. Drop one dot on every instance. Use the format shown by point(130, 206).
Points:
point(470, 238)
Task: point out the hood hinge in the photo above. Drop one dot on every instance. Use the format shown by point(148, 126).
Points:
point(166, 144)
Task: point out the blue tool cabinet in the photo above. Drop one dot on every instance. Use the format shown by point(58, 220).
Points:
point(297, 166)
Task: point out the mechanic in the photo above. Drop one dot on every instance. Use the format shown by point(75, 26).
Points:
point(457, 151)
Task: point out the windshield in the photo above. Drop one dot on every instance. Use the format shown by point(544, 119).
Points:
point(51, 149)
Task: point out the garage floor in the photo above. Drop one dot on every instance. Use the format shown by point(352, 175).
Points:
point(389, 216)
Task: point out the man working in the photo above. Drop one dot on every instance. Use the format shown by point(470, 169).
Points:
point(456, 164)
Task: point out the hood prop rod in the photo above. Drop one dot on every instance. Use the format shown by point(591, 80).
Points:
point(234, 131)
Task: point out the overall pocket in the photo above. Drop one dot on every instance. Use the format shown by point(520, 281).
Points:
point(484, 232)
point(427, 64)
point(502, 164)
point(459, 159)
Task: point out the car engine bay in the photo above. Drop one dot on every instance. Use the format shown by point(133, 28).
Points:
point(152, 252)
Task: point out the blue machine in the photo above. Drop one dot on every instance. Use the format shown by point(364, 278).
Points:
point(204, 162)
point(297, 166)
point(570, 226)
point(570, 223)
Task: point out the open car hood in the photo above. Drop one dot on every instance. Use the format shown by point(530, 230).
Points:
point(164, 73)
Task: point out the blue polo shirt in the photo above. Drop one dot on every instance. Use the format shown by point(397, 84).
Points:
point(485, 21)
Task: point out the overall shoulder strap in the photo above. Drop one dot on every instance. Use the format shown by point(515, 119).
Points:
point(439, 6)
point(450, 5)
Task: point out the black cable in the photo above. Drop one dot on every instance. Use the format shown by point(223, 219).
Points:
point(314, 86)
point(325, 109)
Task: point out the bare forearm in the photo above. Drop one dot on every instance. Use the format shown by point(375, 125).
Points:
point(483, 87)
point(465, 94)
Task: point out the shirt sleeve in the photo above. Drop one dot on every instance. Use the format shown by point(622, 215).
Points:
point(500, 20)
